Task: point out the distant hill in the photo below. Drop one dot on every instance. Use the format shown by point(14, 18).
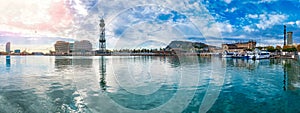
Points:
point(186, 45)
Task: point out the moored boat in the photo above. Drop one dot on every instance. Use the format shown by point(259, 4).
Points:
point(227, 54)
point(262, 55)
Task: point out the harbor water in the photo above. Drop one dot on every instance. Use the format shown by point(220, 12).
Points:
point(134, 84)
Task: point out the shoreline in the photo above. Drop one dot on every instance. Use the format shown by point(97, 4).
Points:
point(296, 57)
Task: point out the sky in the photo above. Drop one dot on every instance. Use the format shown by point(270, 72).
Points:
point(35, 25)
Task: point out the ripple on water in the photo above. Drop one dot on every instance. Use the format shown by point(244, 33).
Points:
point(54, 85)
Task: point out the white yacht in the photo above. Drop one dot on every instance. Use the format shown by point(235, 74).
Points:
point(227, 54)
point(250, 54)
point(262, 55)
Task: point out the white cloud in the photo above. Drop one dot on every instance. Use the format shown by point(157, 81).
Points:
point(267, 1)
point(24, 17)
point(224, 27)
point(248, 29)
point(196, 13)
point(143, 32)
point(269, 20)
point(262, 1)
point(290, 23)
point(228, 1)
point(231, 10)
point(79, 6)
point(254, 16)
point(298, 23)
point(270, 41)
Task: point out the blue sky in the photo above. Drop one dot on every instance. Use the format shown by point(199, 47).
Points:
point(37, 25)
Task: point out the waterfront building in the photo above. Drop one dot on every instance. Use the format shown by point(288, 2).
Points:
point(71, 46)
point(17, 51)
point(7, 48)
point(37, 53)
point(240, 46)
point(231, 48)
point(62, 47)
point(83, 47)
point(290, 38)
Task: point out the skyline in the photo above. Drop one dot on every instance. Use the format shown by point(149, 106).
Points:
point(37, 25)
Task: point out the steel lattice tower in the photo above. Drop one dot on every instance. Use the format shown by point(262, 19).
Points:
point(102, 41)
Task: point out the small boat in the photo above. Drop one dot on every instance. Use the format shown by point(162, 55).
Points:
point(262, 55)
point(250, 54)
point(227, 54)
point(242, 55)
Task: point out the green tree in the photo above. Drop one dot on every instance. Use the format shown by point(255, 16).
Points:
point(271, 49)
point(278, 48)
point(289, 48)
point(298, 48)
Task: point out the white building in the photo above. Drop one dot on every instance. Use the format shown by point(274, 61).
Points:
point(7, 47)
point(62, 47)
point(290, 38)
point(83, 47)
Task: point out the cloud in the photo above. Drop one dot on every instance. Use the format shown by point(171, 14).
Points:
point(228, 1)
point(253, 16)
point(224, 27)
point(248, 29)
point(290, 23)
point(262, 1)
point(77, 19)
point(267, 1)
point(267, 42)
point(186, 17)
point(26, 17)
point(231, 10)
point(298, 23)
point(269, 20)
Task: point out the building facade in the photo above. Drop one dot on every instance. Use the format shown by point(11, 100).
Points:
point(17, 51)
point(71, 46)
point(83, 47)
point(7, 49)
point(240, 46)
point(62, 47)
point(290, 38)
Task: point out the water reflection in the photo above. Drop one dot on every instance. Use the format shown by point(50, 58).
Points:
point(141, 81)
point(290, 69)
point(102, 69)
point(62, 98)
point(146, 83)
point(291, 75)
point(7, 62)
point(242, 63)
point(65, 62)
point(15, 99)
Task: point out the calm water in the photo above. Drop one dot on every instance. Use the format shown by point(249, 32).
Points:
point(147, 84)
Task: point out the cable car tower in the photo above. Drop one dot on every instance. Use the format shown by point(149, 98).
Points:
point(102, 41)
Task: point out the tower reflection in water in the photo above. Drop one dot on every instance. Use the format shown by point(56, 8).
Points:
point(291, 74)
point(102, 70)
point(7, 63)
